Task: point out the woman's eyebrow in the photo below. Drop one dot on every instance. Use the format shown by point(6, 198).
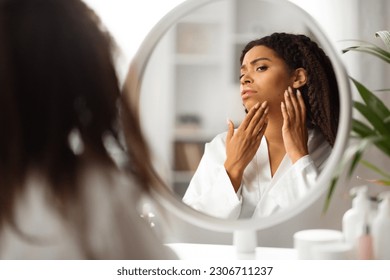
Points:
point(255, 61)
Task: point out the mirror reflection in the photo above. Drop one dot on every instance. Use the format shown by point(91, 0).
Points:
point(280, 95)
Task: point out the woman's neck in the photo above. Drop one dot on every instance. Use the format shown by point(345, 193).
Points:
point(273, 133)
point(276, 150)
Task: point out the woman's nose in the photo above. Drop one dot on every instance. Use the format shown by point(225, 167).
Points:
point(246, 79)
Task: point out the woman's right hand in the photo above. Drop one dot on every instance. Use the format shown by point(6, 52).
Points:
point(294, 128)
point(243, 143)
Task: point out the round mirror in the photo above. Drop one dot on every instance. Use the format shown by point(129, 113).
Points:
point(185, 78)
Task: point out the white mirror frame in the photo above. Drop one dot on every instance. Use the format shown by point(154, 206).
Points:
point(167, 198)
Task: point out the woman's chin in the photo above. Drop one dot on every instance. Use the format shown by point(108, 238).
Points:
point(248, 104)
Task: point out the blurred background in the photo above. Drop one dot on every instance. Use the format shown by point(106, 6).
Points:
point(130, 21)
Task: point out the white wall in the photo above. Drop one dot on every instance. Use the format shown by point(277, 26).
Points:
point(129, 21)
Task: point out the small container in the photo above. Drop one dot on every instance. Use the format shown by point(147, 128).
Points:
point(305, 240)
point(365, 246)
point(332, 251)
point(381, 228)
point(354, 219)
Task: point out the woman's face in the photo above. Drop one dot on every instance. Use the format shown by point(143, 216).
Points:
point(264, 77)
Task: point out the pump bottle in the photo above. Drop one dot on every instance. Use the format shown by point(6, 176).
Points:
point(355, 219)
point(381, 228)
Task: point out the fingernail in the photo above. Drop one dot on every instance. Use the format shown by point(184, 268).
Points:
point(257, 105)
point(264, 104)
point(299, 92)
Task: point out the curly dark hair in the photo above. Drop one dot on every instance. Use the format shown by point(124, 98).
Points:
point(320, 92)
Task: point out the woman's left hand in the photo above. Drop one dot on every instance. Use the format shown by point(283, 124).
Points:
point(294, 128)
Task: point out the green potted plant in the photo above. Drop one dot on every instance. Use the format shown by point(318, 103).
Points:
point(374, 127)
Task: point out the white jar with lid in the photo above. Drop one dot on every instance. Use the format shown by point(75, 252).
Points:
point(306, 240)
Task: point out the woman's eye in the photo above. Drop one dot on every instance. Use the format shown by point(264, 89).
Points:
point(242, 75)
point(261, 68)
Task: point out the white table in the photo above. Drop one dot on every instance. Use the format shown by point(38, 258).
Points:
point(190, 251)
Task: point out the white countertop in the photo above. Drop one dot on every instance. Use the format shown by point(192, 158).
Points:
point(192, 251)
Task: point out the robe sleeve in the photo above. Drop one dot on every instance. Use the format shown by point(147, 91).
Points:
point(210, 190)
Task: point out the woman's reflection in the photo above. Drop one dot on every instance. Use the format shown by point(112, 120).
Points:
point(273, 158)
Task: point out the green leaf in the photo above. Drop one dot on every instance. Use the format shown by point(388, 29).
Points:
point(382, 143)
point(378, 115)
point(355, 161)
point(365, 132)
point(371, 115)
point(376, 169)
point(355, 154)
point(370, 49)
point(361, 129)
point(329, 195)
point(383, 90)
point(348, 157)
point(385, 36)
point(372, 101)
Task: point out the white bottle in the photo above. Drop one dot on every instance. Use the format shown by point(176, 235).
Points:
point(354, 220)
point(381, 228)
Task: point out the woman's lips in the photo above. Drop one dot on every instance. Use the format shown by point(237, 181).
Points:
point(247, 93)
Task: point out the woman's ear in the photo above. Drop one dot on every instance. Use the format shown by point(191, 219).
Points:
point(300, 78)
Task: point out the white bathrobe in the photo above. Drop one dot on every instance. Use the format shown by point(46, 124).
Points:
point(260, 194)
point(113, 226)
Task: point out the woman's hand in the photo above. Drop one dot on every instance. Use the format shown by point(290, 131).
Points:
point(242, 144)
point(294, 128)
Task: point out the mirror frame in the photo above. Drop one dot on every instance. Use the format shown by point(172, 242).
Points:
point(167, 198)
